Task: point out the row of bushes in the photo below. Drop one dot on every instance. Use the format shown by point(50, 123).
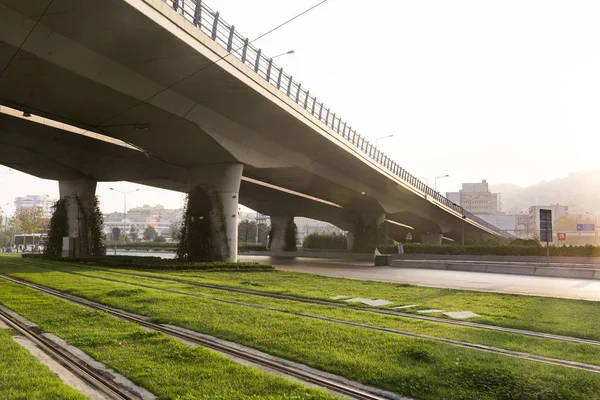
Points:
point(157, 263)
point(242, 248)
point(324, 241)
point(494, 250)
point(245, 248)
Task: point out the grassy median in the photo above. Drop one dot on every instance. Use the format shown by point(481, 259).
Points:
point(165, 366)
point(577, 318)
point(24, 377)
point(423, 369)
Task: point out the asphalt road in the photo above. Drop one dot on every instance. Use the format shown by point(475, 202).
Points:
point(531, 285)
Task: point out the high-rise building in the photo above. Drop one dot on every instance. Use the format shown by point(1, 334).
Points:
point(30, 201)
point(476, 198)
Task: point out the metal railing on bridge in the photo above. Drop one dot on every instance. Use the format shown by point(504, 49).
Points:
point(211, 23)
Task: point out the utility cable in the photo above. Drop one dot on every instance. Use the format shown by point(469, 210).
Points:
point(27, 37)
point(219, 59)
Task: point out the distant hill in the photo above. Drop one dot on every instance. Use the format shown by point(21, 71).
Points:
point(579, 190)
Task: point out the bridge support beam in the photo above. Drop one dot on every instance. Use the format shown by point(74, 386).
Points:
point(367, 232)
point(431, 238)
point(281, 237)
point(79, 195)
point(221, 183)
point(350, 240)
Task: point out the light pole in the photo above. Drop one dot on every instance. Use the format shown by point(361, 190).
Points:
point(595, 229)
point(439, 177)
point(383, 137)
point(5, 221)
point(426, 180)
point(124, 207)
point(283, 54)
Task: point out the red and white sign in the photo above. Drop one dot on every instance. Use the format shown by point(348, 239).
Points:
point(562, 236)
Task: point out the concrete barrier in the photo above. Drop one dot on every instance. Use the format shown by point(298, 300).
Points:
point(498, 268)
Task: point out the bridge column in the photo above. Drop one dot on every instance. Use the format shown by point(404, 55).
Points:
point(367, 232)
point(79, 195)
point(220, 184)
point(431, 238)
point(350, 240)
point(280, 235)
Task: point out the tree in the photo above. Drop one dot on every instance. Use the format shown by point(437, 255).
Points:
point(150, 233)
point(32, 221)
point(247, 232)
point(175, 229)
point(160, 239)
point(133, 233)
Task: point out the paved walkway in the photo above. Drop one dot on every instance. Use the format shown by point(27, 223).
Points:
point(532, 285)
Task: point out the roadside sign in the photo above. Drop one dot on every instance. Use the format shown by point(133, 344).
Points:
point(545, 226)
point(116, 233)
point(562, 236)
point(586, 227)
point(408, 237)
point(400, 248)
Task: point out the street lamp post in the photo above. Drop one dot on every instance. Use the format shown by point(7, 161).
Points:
point(283, 54)
point(383, 137)
point(439, 177)
point(426, 180)
point(5, 221)
point(124, 207)
point(595, 227)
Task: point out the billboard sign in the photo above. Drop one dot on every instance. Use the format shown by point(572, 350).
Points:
point(586, 227)
point(546, 226)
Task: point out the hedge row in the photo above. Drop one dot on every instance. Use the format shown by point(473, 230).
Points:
point(492, 250)
point(157, 263)
point(328, 242)
point(146, 246)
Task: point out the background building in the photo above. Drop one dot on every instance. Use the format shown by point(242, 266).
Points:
point(30, 201)
point(516, 224)
point(476, 198)
point(558, 212)
point(161, 219)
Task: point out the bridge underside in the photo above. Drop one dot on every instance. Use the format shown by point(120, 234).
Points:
point(130, 71)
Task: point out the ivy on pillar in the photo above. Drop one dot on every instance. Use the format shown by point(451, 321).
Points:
point(209, 230)
point(76, 224)
point(284, 234)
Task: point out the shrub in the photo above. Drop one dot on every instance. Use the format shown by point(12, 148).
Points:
point(245, 248)
point(487, 250)
point(157, 263)
point(333, 241)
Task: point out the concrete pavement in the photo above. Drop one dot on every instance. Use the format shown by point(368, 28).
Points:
point(584, 289)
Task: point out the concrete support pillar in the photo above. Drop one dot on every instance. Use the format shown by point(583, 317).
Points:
point(279, 225)
point(80, 194)
point(431, 238)
point(366, 233)
point(350, 240)
point(224, 180)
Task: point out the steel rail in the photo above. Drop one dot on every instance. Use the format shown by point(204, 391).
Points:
point(80, 369)
point(467, 345)
point(523, 332)
point(254, 358)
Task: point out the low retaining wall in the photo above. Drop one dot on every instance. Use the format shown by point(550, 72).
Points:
point(497, 268)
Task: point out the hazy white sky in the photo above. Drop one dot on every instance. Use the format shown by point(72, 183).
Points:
point(505, 91)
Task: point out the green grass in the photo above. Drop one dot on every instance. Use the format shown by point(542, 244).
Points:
point(577, 318)
point(423, 369)
point(584, 353)
point(166, 367)
point(24, 377)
